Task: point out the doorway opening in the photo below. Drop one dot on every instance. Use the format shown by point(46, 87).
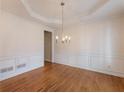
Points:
point(47, 47)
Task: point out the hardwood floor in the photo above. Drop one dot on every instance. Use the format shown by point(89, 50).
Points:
point(56, 77)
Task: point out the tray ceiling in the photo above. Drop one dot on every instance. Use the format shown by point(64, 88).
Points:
point(49, 11)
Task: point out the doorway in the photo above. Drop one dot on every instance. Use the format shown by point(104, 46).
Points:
point(47, 47)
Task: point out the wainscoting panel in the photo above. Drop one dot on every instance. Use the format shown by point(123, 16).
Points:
point(13, 66)
point(22, 64)
point(98, 62)
point(36, 61)
point(72, 60)
point(113, 65)
point(61, 59)
point(83, 61)
point(7, 67)
point(117, 65)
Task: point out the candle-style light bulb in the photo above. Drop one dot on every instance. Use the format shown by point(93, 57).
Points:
point(63, 39)
point(57, 39)
point(66, 37)
point(69, 38)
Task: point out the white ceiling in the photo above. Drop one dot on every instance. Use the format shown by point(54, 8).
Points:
point(49, 11)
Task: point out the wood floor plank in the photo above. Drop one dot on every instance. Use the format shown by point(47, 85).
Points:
point(61, 78)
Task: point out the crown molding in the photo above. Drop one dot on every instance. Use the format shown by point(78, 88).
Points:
point(37, 16)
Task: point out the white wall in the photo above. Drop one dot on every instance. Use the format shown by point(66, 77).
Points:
point(97, 46)
point(21, 45)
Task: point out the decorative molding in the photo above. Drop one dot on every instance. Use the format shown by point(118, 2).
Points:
point(112, 65)
point(18, 65)
point(36, 15)
point(50, 21)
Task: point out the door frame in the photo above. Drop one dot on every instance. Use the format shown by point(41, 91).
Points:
point(52, 32)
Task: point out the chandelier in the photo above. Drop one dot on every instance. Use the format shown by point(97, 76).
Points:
point(63, 38)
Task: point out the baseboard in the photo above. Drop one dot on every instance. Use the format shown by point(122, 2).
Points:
point(48, 60)
point(117, 74)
